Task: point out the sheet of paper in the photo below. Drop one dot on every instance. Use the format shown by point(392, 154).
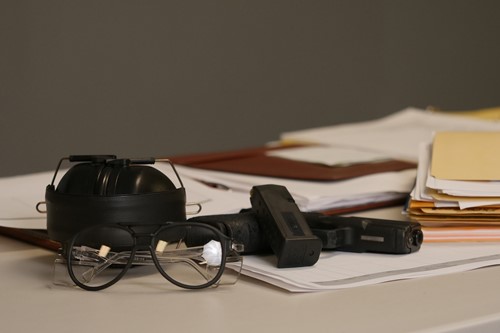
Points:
point(467, 201)
point(19, 196)
point(463, 187)
point(466, 156)
point(397, 135)
point(329, 155)
point(339, 270)
point(213, 200)
point(421, 192)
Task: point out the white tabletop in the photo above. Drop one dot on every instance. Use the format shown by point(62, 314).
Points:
point(461, 302)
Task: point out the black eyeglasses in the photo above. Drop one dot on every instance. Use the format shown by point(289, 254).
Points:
point(189, 255)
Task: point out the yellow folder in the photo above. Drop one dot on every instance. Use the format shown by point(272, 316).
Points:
point(466, 156)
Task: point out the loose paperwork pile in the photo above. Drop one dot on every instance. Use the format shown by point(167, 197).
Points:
point(457, 192)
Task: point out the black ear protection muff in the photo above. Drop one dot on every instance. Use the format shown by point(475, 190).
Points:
point(103, 189)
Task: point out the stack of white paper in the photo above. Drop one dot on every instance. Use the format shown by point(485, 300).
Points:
point(339, 270)
point(233, 190)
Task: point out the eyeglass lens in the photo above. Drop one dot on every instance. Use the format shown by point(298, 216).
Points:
point(99, 256)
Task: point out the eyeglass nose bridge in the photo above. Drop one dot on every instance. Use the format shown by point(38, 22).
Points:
point(143, 240)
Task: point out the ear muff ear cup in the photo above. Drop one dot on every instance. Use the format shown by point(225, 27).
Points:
point(111, 191)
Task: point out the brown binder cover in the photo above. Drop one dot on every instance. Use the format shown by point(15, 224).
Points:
point(254, 161)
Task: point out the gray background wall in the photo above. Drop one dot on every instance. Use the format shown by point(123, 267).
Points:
point(163, 77)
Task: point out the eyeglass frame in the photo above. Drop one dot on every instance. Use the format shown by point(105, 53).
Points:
point(227, 246)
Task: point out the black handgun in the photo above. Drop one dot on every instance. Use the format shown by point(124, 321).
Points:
point(352, 234)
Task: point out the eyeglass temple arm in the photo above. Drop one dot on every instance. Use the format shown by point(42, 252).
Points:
point(89, 274)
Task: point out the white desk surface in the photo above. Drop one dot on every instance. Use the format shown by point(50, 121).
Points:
point(29, 302)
